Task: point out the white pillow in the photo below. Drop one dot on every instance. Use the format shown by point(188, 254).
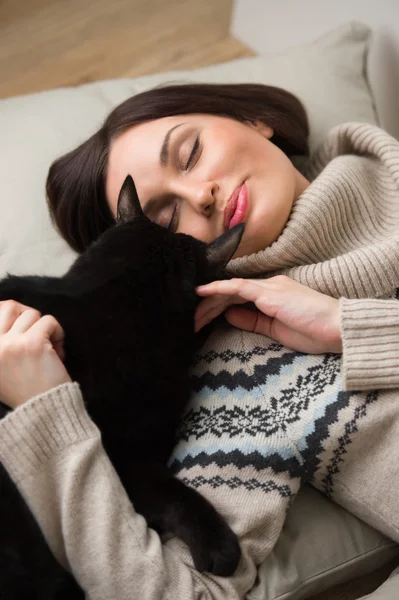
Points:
point(327, 75)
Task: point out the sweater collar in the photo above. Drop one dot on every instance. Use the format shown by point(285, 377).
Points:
point(342, 237)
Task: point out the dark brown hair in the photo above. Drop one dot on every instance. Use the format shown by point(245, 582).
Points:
point(76, 181)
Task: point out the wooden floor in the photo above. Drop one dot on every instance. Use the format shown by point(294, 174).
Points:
point(51, 43)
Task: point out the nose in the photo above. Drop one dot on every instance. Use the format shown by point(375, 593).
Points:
point(201, 196)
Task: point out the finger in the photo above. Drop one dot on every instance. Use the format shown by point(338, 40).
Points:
point(266, 297)
point(209, 309)
point(9, 312)
point(215, 287)
point(211, 303)
point(212, 307)
point(218, 300)
point(260, 323)
point(250, 320)
point(25, 320)
point(206, 318)
point(49, 327)
point(247, 289)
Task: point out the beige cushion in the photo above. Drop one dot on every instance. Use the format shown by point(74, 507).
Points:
point(389, 590)
point(328, 76)
point(321, 545)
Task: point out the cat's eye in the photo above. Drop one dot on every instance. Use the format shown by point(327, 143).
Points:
point(194, 154)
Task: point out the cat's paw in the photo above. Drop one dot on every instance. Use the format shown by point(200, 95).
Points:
point(216, 550)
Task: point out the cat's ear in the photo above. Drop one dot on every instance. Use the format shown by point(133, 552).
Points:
point(129, 207)
point(221, 250)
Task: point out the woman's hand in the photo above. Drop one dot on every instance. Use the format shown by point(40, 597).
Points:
point(288, 312)
point(31, 353)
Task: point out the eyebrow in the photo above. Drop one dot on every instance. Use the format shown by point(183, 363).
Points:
point(164, 155)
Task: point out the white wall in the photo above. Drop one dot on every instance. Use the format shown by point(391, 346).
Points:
point(269, 26)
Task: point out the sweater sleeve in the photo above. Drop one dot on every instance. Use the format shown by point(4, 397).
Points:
point(370, 340)
point(53, 452)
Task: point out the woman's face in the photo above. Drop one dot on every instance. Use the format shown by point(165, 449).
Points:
point(202, 174)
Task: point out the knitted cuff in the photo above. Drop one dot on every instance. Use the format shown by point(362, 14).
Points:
point(42, 427)
point(370, 340)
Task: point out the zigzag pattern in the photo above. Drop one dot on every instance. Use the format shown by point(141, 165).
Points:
point(240, 379)
point(235, 482)
point(292, 465)
point(242, 355)
point(314, 441)
point(351, 427)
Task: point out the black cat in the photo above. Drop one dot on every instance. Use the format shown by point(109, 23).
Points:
point(127, 308)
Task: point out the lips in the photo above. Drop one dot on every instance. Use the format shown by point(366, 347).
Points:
point(236, 207)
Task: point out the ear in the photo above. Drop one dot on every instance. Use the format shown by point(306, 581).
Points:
point(129, 207)
point(262, 128)
point(221, 250)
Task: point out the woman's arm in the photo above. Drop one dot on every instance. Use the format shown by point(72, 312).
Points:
point(54, 454)
point(370, 336)
point(52, 449)
point(31, 353)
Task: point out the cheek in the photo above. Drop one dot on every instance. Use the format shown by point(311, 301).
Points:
point(272, 208)
point(197, 226)
point(222, 154)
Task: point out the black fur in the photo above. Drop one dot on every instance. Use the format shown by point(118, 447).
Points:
point(127, 308)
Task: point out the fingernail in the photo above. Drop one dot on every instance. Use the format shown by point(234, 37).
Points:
point(200, 288)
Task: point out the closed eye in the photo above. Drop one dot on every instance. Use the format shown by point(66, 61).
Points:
point(193, 153)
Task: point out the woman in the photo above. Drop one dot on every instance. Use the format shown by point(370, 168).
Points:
point(204, 158)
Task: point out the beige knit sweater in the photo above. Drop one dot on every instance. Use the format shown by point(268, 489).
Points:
point(342, 238)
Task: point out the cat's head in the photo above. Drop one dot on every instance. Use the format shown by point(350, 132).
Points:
point(180, 258)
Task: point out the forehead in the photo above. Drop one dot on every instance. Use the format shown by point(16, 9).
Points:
point(134, 149)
